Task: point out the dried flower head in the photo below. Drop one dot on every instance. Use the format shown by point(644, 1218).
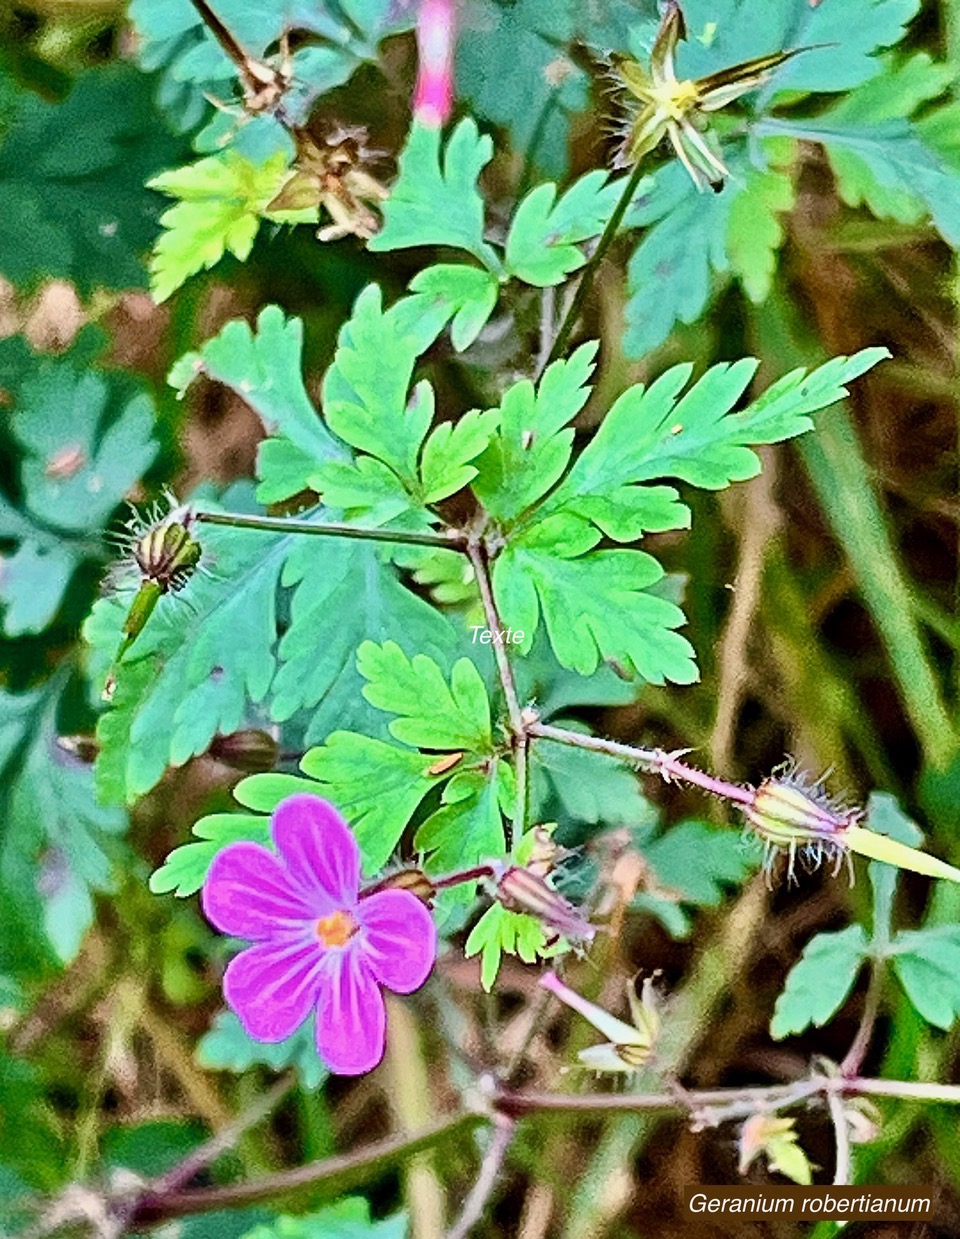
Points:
point(332, 172)
point(263, 85)
point(526, 887)
point(677, 109)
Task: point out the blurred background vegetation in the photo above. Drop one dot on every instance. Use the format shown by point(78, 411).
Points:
point(823, 605)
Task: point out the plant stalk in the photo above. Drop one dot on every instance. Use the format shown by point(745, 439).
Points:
point(593, 265)
point(452, 539)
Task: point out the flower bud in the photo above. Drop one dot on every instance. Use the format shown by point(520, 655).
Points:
point(790, 814)
point(167, 553)
point(413, 880)
point(520, 890)
point(253, 751)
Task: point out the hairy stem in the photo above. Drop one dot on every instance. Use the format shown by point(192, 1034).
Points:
point(224, 1140)
point(592, 266)
point(334, 1174)
point(521, 769)
point(343, 1172)
point(841, 1135)
point(518, 725)
point(667, 765)
point(727, 1102)
point(478, 558)
point(452, 539)
point(853, 1060)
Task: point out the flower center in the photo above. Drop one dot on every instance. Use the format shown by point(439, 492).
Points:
point(336, 929)
point(675, 98)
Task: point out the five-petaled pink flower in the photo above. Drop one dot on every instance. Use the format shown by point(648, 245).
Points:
point(317, 943)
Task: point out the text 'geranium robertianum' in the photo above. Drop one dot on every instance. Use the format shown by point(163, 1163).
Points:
point(317, 943)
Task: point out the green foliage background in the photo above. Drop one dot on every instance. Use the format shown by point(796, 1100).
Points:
point(163, 325)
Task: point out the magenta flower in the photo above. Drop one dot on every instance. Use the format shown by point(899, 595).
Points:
point(436, 32)
point(318, 945)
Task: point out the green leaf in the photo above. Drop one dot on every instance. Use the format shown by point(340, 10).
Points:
point(226, 1047)
point(499, 931)
point(468, 827)
point(185, 869)
point(670, 276)
point(264, 368)
point(887, 167)
point(596, 606)
point(513, 67)
point(211, 652)
point(467, 295)
point(365, 390)
point(445, 465)
point(698, 861)
point(57, 844)
point(345, 592)
point(558, 690)
point(927, 964)
point(754, 231)
point(658, 432)
point(543, 237)
point(434, 205)
point(35, 577)
point(787, 1157)
point(221, 200)
point(723, 32)
point(531, 449)
point(376, 786)
point(585, 787)
point(84, 446)
point(86, 439)
point(819, 983)
point(347, 1219)
point(432, 715)
point(73, 177)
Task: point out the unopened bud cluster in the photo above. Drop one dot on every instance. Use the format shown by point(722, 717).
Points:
point(167, 553)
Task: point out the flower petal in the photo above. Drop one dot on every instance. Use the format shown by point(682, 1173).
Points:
point(272, 987)
point(398, 939)
point(247, 893)
point(351, 1017)
point(318, 848)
